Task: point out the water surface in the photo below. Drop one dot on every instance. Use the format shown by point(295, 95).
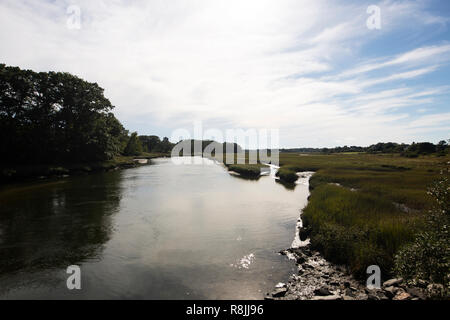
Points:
point(160, 231)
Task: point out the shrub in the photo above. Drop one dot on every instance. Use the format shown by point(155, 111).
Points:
point(428, 257)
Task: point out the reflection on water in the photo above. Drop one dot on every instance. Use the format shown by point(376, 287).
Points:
point(162, 231)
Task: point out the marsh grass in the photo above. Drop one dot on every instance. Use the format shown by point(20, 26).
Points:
point(363, 207)
point(357, 229)
point(241, 164)
point(247, 170)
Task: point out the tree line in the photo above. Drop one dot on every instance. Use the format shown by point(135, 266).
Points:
point(150, 144)
point(55, 117)
point(407, 150)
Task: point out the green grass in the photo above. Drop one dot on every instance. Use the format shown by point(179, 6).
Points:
point(247, 170)
point(364, 207)
point(152, 155)
point(288, 174)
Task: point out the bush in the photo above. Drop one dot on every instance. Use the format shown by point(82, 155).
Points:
point(428, 257)
point(134, 147)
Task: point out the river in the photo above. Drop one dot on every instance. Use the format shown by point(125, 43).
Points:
point(159, 231)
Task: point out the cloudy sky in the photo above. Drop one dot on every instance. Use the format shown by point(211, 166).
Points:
point(312, 69)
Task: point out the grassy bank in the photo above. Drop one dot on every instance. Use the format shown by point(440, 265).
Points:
point(247, 170)
point(12, 173)
point(363, 207)
point(240, 164)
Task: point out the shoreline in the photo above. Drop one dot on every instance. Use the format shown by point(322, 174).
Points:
point(319, 279)
point(42, 172)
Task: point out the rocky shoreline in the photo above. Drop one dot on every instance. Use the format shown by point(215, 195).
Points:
point(318, 279)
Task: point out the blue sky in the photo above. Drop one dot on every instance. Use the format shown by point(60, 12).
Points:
point(312, 69)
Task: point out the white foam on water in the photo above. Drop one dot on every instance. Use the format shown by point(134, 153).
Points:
point(303, 180)
point(244, 262)
point(273, 170)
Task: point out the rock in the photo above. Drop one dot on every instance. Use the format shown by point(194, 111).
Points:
point(435, 290)
point(362, 296)
point(373, 296)
point(402, 296)
point(322, 291)
point(348, 298)
point(421, 283)
point(383, 297)
point(347, 284)
point(392, 282)
point(303, 234)
point(349, 292)
point(327, 298)
point(391, 291)
point(416, 292)
point(279, 292)
point(341, 268)
point(306, 251)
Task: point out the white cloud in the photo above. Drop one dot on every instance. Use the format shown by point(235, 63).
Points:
point(230, 63)
point(431, 120)
point(411, 58)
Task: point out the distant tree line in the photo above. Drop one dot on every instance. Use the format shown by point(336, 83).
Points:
point(208, 146)
point(54, 117)
point(155, 145)
point(149, 144)
point(407, 150)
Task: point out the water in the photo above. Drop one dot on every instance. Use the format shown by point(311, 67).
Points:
point(160, 231)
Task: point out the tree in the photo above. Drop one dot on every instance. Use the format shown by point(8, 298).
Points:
point(52, 117)
point(442, 147)
point(166, 145)
point(134, 147)
point(150, 143)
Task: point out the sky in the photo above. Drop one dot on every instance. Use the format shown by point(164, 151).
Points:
point(323, 73)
